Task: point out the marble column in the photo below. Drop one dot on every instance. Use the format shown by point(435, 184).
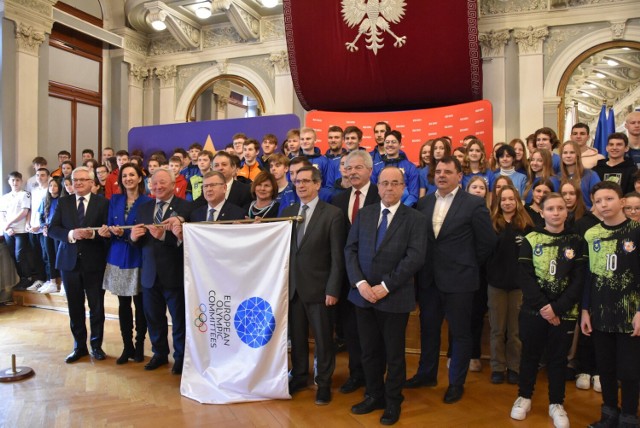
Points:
point(531, 62)
point(494, 85)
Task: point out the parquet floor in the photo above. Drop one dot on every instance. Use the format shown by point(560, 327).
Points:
point(102, 394)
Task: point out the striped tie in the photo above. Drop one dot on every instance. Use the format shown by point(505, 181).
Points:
point(159, 213)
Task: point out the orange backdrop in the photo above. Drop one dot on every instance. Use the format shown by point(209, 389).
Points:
point(416, 126)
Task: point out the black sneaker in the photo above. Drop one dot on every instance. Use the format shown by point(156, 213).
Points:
point(497, 377)
point(512, 377)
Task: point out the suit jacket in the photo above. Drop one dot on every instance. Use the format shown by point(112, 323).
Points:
point(341, 200)
point(400, 255)
point(239, 195)
point(92, 252)
point(162, 259)
point(317, 267)
point(228, 211)
point(465, 241)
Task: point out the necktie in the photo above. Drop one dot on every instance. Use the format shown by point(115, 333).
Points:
point(382, 229)
point(159, 212)
point(211, 213)
point(300, 231)
point(356, 206)
point(81, 210)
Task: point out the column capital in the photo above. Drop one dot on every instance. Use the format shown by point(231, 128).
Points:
point(138, 74)
point(493, 42)
point(28, 39)
point(280, 62)
point(167, 75)
point(617, 29)
point(530, 39)
point(33, 20)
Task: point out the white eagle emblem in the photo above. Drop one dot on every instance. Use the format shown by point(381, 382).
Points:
point(374, 17)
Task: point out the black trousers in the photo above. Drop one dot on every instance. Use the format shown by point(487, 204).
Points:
point(538, 336)
point(382, 335)
point(126, 318)
point(38, 257)
point(317, 316)
point(618, 359)
point(156, 301)
point(77, 285)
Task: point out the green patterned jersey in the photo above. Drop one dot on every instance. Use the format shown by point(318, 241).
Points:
point(614, 287)
point(552, 272)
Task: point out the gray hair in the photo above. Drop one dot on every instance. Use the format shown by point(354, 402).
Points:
point(165, 171)
point(362, 154)
point(85, 169)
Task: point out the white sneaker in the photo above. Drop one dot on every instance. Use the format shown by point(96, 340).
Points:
point(596, 384)
point(35, 286)
point(559, 416)
point(48, 287)
point(62, 292)
point(583, 381)
point(520, 408)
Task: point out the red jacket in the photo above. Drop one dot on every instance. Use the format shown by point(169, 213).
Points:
point(181, 187)
point(111, 186)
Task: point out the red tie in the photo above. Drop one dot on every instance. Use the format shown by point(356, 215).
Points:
point(356, 206)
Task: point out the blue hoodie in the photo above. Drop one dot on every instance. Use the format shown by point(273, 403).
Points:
point(412, 184)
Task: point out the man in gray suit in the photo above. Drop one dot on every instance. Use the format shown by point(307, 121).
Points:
point(316, 274)
point(386, 247)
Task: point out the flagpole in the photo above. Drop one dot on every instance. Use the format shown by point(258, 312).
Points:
point(297, 218)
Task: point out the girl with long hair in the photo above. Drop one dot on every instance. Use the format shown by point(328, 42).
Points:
point(439, 149)
point(572, 196)
point(521, 163)
point(423, 166)
point(571, 169)
point(475, 164)
point(45, 211)
point(511, 223)
point(534, 209)
point(540, 168)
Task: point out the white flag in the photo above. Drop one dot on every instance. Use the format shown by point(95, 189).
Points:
point(236, 280)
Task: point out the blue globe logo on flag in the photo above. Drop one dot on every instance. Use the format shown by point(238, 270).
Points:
point(255, 322)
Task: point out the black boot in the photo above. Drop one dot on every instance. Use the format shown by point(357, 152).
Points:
point(608, 418)
point(627, 421)
point(139, 352)
point(127, 352)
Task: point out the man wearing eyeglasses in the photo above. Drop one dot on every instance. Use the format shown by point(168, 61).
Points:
point(386, 247)
point(214, 188)
point(316, 276)
point(81, 259)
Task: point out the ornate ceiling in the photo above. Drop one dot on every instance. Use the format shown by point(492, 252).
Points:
point(611, 76)
point(182, 21)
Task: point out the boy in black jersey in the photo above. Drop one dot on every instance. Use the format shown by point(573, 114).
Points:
point(551, 276)
point(611, 305)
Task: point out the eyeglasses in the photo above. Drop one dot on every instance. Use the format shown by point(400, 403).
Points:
point(391, 183)
point(210, 185)
point(302, 181)
point(391, 142)
point(632, 209)
point(80, 180)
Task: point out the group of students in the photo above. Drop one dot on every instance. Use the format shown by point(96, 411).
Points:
point(559, 225)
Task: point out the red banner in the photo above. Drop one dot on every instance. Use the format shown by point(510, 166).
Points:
point(416, 126)
point(348, 55)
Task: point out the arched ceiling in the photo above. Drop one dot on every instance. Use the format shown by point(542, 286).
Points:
point(610, 76)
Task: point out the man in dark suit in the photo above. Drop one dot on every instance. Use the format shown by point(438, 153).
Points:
point(214, 188)
point(81, 259)
point(237, 193)
point(162, 268)
point(386, 247)
point(358, 167)
point(316, 276)
point(460, 238)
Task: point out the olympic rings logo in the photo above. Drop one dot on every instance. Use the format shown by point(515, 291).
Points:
point(201, 319)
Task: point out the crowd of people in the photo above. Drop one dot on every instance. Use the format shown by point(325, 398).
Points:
point(540, 234)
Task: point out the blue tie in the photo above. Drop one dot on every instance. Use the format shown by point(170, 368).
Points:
point(211, 212)
point(81, 210)
point(382, 229)
point(159, 212)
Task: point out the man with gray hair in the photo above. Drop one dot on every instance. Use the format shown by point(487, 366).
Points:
point(81, 259)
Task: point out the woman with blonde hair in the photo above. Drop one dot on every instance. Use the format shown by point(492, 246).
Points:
point(540, 169)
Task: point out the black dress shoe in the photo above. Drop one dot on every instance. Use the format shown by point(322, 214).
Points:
point(98, 354)
point(155, 362)
point(323, 396)
point(497, 377)
point(351, 385)
point(297, 385)
point(368, 405)
point(453, 394)
point(419, 381)
point(76, 355)
point(391, 415)
point(177, 367)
